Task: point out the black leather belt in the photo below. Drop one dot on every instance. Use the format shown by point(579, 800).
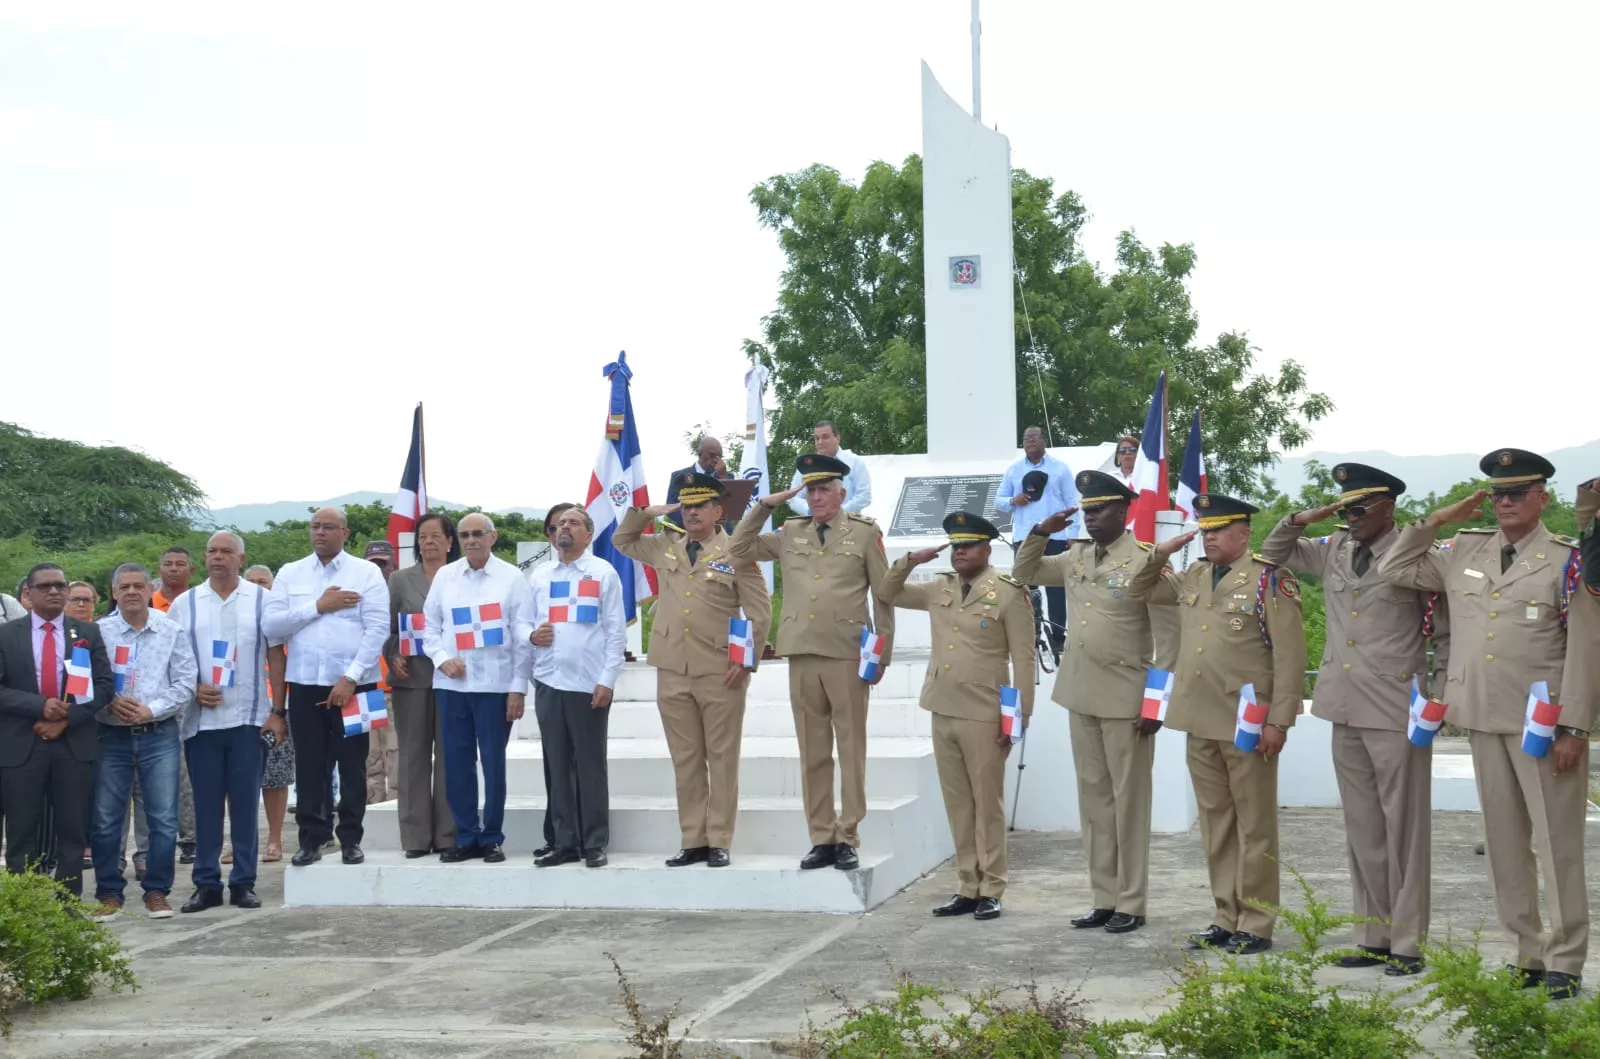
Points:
point(146, 729)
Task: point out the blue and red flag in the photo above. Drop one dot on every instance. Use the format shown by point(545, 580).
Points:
point(1150, 468)
point(1426, 716)
point(872, 646)
point(1011, 713)
point(412, 624)
point(618, 484)
point(1157, 694)
point(1192, 476)
point(1540, 729)
point(78, 673)
point(1252, 715)
point(480, 626)
point(741, 642)
point(364, 711)
point(224, 664)
point(576, 602)
point(411, 501)
point(122, 657)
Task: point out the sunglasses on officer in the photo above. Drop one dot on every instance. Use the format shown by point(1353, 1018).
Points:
point(1361, 510)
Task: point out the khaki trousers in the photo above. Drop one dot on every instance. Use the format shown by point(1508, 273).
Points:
point(703, 721)
point(383, 759)
point(829, 700)
point(1113, 766)
point(972, 776)
point(1532, 817)
point(1238, 798)
point(425, 820)
point(1386, 787)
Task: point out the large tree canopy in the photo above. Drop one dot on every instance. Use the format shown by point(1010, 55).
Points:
point(847, 341)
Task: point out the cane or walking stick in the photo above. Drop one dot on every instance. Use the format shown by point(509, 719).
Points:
point(1022, 754)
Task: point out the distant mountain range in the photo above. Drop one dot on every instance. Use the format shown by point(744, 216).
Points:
point(1436, 474)
point(252, 518)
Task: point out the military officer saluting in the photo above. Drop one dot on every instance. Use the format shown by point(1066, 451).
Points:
point(699, 690)
point(833, 564)
point(1377, 642)
point(1240, 624)
point(1111, 640)
point(983, 619)
point(1510, 590)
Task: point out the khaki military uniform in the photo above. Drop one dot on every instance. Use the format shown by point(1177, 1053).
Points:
point(1506, 633)
point(1221, 649)
point(702, 718)
point(986, 635)
point(1377, 636)
point(1111, 640)
point(827, 582)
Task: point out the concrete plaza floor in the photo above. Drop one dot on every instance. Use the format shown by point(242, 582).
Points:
point(379, 982)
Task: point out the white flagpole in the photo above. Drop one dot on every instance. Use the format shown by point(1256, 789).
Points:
point(977, 89)
point(753, 465)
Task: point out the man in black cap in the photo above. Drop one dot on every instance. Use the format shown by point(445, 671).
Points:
point(984, 619)
point(833, 569)
point(1377, 640)
point(1034, 487)
point(1101, 683)
point(1510, 590)
point(1241, 632)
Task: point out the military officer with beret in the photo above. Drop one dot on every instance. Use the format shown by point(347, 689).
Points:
point(1510, 591)
point(1110, 642)
point(1240, 624)
point(983, 619)
point(699, 690)
point(1377, 641)
point(833, 569)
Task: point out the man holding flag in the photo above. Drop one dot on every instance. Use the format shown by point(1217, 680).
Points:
point(481, 669)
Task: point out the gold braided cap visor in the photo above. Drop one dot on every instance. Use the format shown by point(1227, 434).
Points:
point(1356, 494)
point(1096, 501)
point(970, 538)
point(1218, 521)
point(819, 476)
point(696, 497)
point(1514, 481)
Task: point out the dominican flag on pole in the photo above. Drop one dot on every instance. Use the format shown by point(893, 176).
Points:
point(480, 626)
point(741, 643)
point(575, 602)
point(1150, 468)
point(617, 484)
point(411, 627)
point(1540, 730)
point(224, 659)
point(754, 459)
point(1157, 694)
point(871, 654)
point(1252, 715)
point(1011, 713)
point(1192, 476)
point(122, 656)
point(1426, 717)
point(78, 673)
point(411, 502)
point(365, 711)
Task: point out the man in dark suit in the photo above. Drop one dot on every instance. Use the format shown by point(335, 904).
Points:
point(708, 461)
point(48, 736)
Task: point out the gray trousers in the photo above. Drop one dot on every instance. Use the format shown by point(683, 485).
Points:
point(574, 737)
point(141, 826)
point(425, 821)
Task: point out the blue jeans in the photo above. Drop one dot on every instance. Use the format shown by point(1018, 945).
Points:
point(475, 731)
point(225, 763)
point(154, 758)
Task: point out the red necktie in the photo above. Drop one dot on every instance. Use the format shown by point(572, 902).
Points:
point(49, 678)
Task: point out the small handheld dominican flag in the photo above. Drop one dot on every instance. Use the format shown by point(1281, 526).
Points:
point(480, 626)
point(741, 642)
point(122, 656)
point(575, 601)
point(1011, 713)
point(365, 711)
point(1540, 730)
point(411, 626)
point(1157, 694)
point(1426, 717)
point(78, 673)
point(871, 655)
point(1252, 715)
point(224, 657)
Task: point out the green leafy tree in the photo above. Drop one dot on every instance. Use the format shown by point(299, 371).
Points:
point(847, 340)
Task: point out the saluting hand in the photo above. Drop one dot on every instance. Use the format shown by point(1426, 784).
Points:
point(1175, 545)
point(660, 510)
point(1317, 514)
point(1057, 522)
point(772, 500)
point(917, 558)
point(1460, 511)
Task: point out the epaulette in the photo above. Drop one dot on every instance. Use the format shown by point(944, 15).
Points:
point(1342, 526)
point(796, 520)
point(1146, 545)
point(672, 527)
point(1008, 579)
point(1476, 529)
point(1262, 559)
point(1570, 542)
point(860, 518)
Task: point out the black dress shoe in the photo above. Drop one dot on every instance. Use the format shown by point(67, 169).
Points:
point(306, 855)
point(1404, 966)
point(243, 897)
point(556, 857)
point(459, 854)
point(819, 857)
point(594, 858)
point(1244, 943)
point(1213, 936)
point(1123, 923)
point(493, 854)
point(1528, 976)
point(544, 850)
point(718, 858)
point(186, 853)
point(1562, 986)
point(352, 855)
point(202, 900)
point(957, 906)
point(1365, 956)
point(1097, 917)
point(686, 857)
point(988, 908)
point(413, 854)
point(844, 857)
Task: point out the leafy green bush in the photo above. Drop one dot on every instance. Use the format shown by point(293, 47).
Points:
point(1504, 1020)
point(48, 949)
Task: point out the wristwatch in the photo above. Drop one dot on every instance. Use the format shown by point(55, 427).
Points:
point(277, 712)
point(1279, 727)
point(1579, 732)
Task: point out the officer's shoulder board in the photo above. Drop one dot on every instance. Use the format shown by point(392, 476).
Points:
point(796, 521)
point(1564, 541)
point(1483, 530)
point(1145, 545)
point(672, 527)
point(1013, 582)
point(861, 518)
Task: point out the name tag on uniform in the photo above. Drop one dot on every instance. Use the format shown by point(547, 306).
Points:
point(1472, 573)
point(1533, 613)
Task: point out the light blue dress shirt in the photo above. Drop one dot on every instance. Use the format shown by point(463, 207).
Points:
point(1060, 493)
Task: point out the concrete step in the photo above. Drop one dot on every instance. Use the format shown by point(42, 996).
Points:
point(630, 881)
point(649, 824)
point(642, 720)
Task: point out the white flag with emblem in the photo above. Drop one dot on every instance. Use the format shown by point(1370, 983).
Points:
point(753, 463)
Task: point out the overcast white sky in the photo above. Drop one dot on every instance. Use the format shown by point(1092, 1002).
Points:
point(246, 239)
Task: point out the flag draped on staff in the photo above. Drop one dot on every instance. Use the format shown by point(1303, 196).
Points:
point(1192, 475)
point(1150, 468)
point(618, 484)
point(411, 502)
point(754, 460)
